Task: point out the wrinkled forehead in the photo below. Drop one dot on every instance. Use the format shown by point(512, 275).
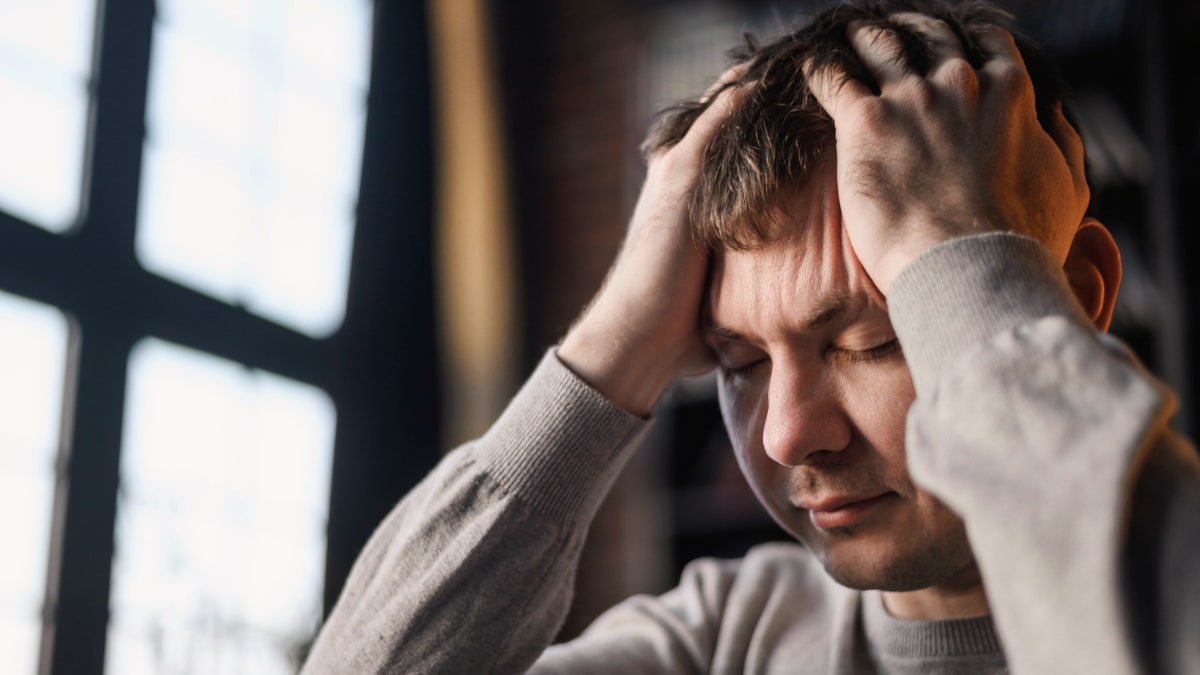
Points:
point(808, 264)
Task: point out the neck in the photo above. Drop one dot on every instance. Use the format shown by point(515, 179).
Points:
point(959, 597)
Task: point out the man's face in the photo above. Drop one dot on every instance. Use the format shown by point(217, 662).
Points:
point(814, 392)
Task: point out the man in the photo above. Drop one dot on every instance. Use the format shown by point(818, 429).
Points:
point(904, 316)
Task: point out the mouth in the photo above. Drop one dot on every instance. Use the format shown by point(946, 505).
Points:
point(844, 511)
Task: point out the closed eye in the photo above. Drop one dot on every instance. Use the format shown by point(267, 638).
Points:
point(877, 353)
point(742, 370)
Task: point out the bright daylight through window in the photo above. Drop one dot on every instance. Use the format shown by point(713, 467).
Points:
point(45, 65)
point(34, 342)
point(254, 139)
point(220, 535)
point(255, 115)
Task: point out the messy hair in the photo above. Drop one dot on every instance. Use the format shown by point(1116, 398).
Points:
point(777, 136)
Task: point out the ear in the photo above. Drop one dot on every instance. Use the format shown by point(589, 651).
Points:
point(1093, 269)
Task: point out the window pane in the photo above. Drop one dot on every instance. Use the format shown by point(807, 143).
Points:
point(33, 358)
point(255, 121)
point(45, 63)
point(220, 534)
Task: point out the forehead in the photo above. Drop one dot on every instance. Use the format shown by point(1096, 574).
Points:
point(797, 279)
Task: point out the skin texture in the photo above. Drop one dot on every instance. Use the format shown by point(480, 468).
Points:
point(815, 403)
point(817, 412)
point(956, 152)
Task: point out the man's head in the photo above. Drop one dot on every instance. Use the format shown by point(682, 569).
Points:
point(814, 388)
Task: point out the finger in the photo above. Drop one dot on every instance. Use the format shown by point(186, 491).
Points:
point(727, 78)
point(834, 88)
point(948, 64)
point(1069, 142)
point(730, 79)
point(1003, 69)
point(942, 41)
point(728, 98)
point(881, 52)
point(999, 49)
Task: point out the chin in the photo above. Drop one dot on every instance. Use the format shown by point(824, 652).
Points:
point(893, 567)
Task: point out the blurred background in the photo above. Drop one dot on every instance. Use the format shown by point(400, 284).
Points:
point(262, 263)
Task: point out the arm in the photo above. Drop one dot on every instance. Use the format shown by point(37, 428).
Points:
point(473, 570)
point(1054, 448)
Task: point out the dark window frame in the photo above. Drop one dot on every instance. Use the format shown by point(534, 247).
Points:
point(380, 367)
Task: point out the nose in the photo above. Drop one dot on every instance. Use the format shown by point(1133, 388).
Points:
point(805, 415)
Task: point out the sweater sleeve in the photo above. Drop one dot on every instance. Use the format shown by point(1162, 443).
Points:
point(472, 571)
point(1052, 444)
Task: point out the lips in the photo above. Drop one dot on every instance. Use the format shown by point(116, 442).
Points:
point(835, 502)
point(841, 511)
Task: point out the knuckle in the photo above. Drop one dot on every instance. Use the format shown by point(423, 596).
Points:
point(1006, 37)
point(875, 114)
point(917, 93)
point(930, 25)
point(1014, 81)
point(959, 75)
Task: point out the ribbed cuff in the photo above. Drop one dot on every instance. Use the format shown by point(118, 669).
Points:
point(967, 290)
point(560, 444)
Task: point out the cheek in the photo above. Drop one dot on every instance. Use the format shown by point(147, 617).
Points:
point(743, 409)
point(878, 402)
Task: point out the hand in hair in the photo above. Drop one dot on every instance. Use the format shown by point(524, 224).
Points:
point(640, 332)
point(952, 152)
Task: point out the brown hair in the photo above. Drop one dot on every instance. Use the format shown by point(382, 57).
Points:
point(779, 133)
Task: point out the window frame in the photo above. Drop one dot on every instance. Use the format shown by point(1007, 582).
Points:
point(380, 368)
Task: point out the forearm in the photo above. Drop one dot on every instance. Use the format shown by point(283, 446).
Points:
point(473, 570)
point(1035, 432)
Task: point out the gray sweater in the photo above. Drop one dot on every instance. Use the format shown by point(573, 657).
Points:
point(1081, 506)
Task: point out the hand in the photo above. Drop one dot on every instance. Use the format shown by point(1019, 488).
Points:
point(641, 331)
point(954, 152)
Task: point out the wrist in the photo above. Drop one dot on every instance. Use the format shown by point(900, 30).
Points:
point(631, 375)
point(901, 254)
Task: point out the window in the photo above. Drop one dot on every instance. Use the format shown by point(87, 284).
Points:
point(117, 366)
point(254, 138)
point(221, 517)
point(33, 374)
point(45, 68)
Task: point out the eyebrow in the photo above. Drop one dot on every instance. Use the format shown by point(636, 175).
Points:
point(724, 332)
point(827, 310)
